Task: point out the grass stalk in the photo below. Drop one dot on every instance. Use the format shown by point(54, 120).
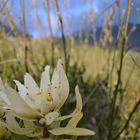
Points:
point(51, 32)
point(63, 35)
point(120, 70)
point(24, 36)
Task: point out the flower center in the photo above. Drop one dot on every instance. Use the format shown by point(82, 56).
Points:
point(41, 93)
point(49, 97)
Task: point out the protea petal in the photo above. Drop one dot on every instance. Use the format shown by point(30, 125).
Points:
point(30, 84)
point(55, 78)
point(3, 96)
point(63, 89)
point(45, 79)
point(45, 106)
point(4, 99)
point(20, 106)
point(55, 87)
point(22, 90)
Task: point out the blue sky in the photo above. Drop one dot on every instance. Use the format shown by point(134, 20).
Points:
point(75, 14)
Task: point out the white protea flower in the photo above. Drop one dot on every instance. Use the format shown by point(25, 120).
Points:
point(39, 107)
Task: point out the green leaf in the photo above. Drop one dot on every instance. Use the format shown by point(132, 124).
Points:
point(18, 137)
point(71, 131)
point(78, 106)
point(74, 120)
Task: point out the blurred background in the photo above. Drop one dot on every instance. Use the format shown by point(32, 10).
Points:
point(99, 43)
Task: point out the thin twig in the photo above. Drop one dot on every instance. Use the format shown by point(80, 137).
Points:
point(105, 10)
point(63, 35)
point(135, 62)
point(3, 6)
point(51, 32)
point(90, 95)
point(8, 61)
point(24, 34)
point(120, 70)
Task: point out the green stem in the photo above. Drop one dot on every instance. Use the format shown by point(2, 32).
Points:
point(63, 35)
point(120, 70)
point(45, 132)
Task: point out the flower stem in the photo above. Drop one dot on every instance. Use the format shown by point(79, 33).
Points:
point(45, 132)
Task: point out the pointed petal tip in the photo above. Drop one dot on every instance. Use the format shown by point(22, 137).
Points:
point(77, 88)
point(60, 62)
point(47, 67)
point(16, 81)
point(26, 74)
